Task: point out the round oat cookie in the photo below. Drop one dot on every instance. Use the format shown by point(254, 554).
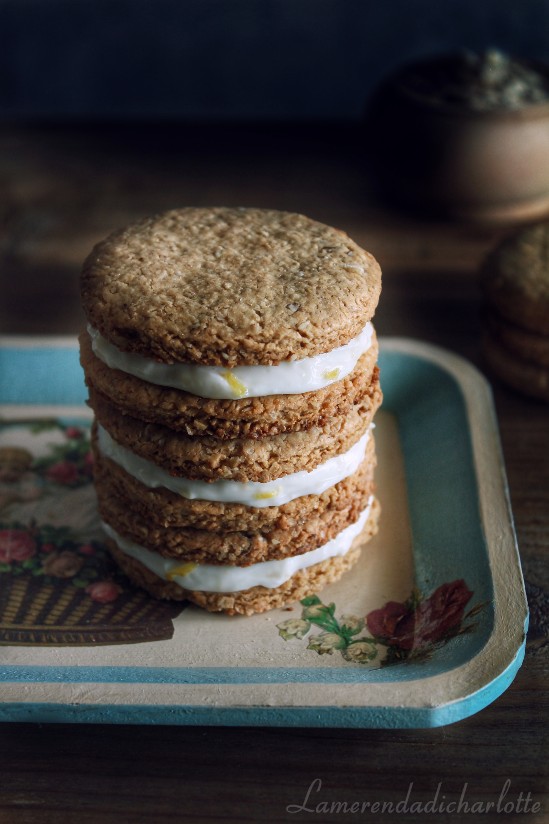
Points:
point(161, 507)
point(240, 459)
point(245, 418)
point(515, 278)
point(522, 375)
point(229, 287)
point(248, 601)
point(256, 599)
point(530, 346)
point(186, 544)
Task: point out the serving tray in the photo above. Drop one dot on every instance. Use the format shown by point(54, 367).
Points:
point(427, 629)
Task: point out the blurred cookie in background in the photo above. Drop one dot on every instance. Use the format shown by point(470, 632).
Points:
point(515, 286)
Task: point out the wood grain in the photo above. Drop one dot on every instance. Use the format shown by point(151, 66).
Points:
point(63, 188)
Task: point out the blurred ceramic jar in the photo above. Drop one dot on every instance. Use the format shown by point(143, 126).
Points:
point(464, 136)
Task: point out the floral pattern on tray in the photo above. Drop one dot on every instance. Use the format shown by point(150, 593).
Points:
point(396, 632)
point(58, 584)
point(54, 554)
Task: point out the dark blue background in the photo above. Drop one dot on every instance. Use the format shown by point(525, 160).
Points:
point(235, 59)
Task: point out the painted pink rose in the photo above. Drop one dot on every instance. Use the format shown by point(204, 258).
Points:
point(63, 472)
point(73, 432)
point(104, 592)
point(64, 564)
point(16, 545)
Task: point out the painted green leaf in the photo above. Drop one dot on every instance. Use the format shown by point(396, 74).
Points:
point(310, 599)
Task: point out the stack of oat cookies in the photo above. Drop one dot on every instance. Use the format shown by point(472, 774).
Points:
point(515, 283)
point(231, 365)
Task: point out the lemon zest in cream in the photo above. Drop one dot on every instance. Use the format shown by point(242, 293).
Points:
point(239, 389)
point(180, 571)
point(331, 374)
point(264, 496)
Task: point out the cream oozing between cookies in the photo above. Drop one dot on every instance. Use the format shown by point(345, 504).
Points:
point(213, 578)
point(286, 378)
point(251, 493)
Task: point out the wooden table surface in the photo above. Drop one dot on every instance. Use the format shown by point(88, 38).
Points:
point(62, 189)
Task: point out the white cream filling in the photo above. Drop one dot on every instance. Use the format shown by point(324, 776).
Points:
point(270, 574)
point(286, 378)
point(251, 493)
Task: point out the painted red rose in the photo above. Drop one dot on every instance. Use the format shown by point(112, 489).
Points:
point(86, 549)
point(104, 592)
point(394, 623)
point(63, 472)
point(47, 548)
point(16, 545)
point(407, 628)
point(442, 612)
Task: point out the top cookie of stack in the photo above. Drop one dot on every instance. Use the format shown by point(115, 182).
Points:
point(515, 283)
point(229, 356)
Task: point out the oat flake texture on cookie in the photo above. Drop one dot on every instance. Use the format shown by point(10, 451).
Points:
point(231, 363)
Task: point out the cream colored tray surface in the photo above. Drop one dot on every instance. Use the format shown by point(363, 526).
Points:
point(428, 629)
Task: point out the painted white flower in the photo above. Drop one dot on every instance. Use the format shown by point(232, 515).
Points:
point(360, 652)
point(352, 623)
point(326, 643)
point(318, 611)
point(293, 628)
